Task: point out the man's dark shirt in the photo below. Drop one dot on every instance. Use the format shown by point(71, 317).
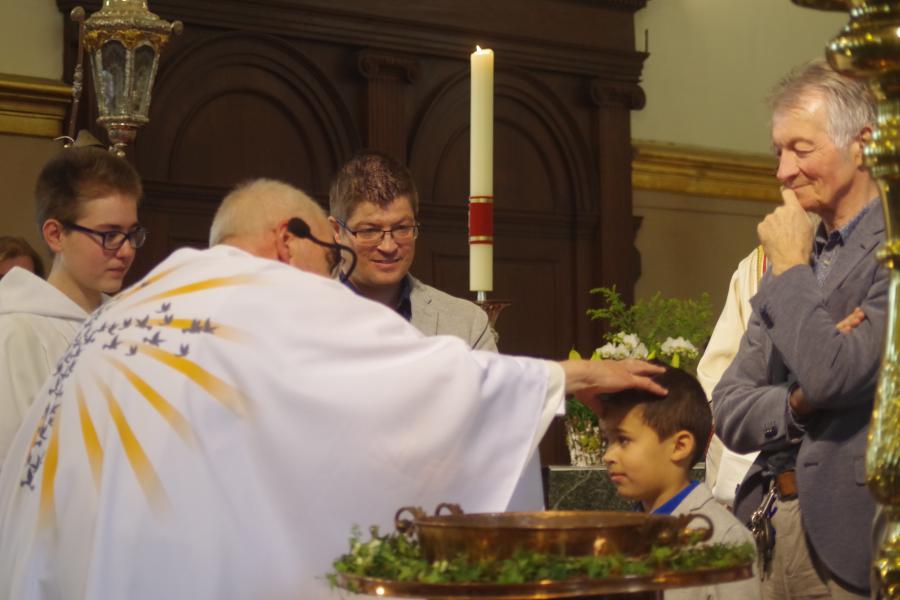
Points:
point(404, 306)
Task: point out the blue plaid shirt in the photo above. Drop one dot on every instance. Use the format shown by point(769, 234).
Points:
point(827, 246)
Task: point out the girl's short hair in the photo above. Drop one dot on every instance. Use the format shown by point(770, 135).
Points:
point(80, 174)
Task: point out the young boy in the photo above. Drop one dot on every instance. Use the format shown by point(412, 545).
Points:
point(652, 444)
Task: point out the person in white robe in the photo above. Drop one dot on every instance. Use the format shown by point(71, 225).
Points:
point(217, 429)
point(726, 469)
point(37, 324)
point(83, 196)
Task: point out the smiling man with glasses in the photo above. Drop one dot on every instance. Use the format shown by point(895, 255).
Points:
point(374, 205)
point(373, 210)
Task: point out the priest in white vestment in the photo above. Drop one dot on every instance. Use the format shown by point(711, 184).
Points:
point(725, 469)
point(216, 430)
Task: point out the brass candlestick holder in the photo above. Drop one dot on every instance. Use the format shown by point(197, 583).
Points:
point(491, 307)
point(869, 47)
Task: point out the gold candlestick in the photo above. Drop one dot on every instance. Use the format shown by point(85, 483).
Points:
point(869, 47)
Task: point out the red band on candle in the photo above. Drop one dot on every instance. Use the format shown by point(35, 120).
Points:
point(481, 222)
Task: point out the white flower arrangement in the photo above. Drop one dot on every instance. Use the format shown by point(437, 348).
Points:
point(667, 329)
point(623, 345)
point(629, 345)
point(678, 348)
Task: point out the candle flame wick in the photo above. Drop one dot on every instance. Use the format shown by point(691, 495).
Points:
point(478, 48)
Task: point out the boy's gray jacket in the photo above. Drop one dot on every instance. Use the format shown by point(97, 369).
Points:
point(726, 530)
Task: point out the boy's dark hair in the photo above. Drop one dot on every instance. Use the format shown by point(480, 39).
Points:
point(684, 408)
point(374, 177)
point(14, 247)
point(80, 174)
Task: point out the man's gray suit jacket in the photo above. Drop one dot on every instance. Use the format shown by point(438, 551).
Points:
point(437, 313)
point(791, 337)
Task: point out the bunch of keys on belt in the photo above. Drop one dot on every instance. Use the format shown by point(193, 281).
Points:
point(762, 530)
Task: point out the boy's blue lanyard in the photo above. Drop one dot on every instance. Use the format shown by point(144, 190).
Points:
point(672, 503)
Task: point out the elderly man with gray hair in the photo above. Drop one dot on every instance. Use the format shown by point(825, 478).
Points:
point(800, 390)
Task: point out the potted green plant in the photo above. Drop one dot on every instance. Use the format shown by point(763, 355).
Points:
point(583, 436)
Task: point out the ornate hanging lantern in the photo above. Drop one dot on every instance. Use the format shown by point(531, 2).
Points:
point(123, 41)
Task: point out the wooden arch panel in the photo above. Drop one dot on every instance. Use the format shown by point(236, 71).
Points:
point(235, 106)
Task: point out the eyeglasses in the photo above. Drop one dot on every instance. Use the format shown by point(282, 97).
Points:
point(113, 240)
point(374, 237)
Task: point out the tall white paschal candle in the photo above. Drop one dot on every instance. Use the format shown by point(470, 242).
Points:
point(481, 173)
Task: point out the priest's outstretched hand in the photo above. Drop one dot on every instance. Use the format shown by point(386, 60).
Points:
point(587, 378)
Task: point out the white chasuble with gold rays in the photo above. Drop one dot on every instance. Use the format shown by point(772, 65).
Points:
point(216, 430)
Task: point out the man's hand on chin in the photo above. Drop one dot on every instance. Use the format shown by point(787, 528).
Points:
point(786, 234)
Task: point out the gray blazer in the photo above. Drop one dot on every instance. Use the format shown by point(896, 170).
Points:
point(792, 337)
point(726, 530)
point(437, 313)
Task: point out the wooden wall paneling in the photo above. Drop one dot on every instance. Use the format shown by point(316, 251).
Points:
point(586, 37)
point(290, 88)
point(230, 107)
point(176, 216)
point(387, 76)
point(617, 261)
point(530, 270)
point(542, 181)
point(233, 106)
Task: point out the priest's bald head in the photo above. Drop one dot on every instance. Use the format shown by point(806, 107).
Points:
point(254, 217)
